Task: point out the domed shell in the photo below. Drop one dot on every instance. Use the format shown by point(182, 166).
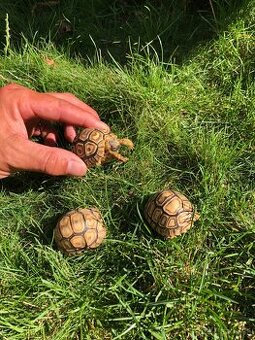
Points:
point(80, 229)
point(89, 145)
point(169, 213)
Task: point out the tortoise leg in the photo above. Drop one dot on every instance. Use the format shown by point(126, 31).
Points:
point(118, 156)
point(127, 142)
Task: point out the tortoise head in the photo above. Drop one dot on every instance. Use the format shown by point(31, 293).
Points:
point(114, 145)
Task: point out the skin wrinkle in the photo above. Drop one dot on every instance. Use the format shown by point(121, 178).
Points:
point(10, 146)
point(50, 160)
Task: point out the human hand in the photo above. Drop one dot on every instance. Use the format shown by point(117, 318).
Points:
point(25, 113)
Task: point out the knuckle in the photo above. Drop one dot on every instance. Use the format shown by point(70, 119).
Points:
point(10, 87)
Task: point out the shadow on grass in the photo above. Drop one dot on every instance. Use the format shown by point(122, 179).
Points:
point(43, 235)
point(23, 182)
point(176, 27)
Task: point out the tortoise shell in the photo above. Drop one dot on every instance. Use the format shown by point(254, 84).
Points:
point(96, 147)
point(78, 230)
point(170, 213)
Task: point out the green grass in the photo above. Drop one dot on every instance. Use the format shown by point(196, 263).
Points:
point(192, 119)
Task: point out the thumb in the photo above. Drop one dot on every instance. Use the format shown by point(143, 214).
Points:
point(50, 160)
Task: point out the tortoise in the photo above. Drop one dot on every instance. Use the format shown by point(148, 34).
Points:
point(95, 146)
point(170, 213)
point(79, 229)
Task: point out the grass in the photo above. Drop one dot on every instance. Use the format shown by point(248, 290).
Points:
point(191, 114)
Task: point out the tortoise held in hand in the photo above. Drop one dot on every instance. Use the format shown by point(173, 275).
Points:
point(170, 213)
point(78, 230)
point(95, 147)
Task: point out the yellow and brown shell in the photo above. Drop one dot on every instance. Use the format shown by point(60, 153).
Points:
point(96, 147)
point(80, 229)
point(170, 213)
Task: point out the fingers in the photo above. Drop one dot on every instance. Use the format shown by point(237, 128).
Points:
point(47, 133)
point(48, 107)
point(69, 133)
point(64, 107)
point(75, 101)
point(50, 136)
point(50, 139)
point(28, 155)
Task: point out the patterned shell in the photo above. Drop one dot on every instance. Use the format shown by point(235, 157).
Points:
point(78, 230)
point(89, 145)
point(170, 213)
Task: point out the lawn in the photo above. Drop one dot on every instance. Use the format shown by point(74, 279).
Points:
point(178, 79)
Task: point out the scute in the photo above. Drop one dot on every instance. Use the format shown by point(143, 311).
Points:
point(84, 135)
point(90, 149)
point(163, 220)
point(79, 150)
point(184, 218)
point(171, 223)
point(187, 206)
point(91, 237)
point(156, 215)
point(91, 223)
point(77, 222)
point(96, 136)
point(101, 231)
point(163, 196)
point(181, 196)
point(172, 206)
point(78, 242)
point(65, 227)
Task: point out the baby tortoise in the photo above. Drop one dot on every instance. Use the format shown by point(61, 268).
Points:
point(170, 213)
point(95, 147)
point(78, 230)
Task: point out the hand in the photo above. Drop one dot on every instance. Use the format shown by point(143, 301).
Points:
point(25, 113)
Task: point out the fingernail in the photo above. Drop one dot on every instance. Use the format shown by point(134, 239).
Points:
point(75, 168)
